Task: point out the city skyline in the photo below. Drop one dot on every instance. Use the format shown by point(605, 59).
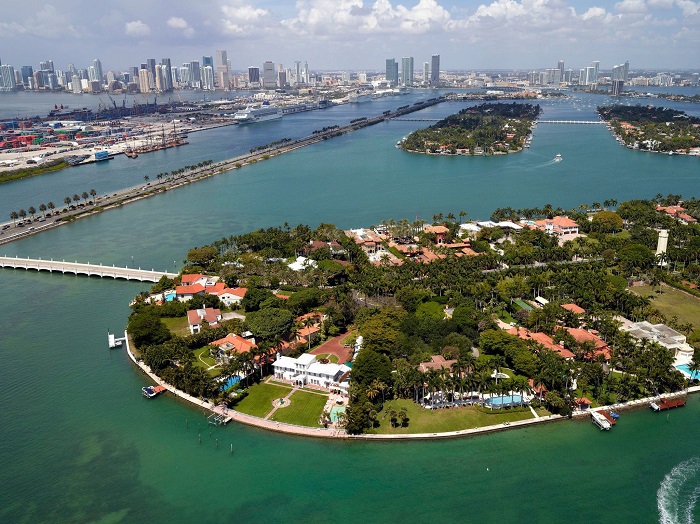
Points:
point(357, 35)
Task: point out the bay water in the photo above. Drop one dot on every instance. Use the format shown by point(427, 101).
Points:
point(80, 444)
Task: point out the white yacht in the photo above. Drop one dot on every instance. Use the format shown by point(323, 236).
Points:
point(558, 158)
point(260, 113)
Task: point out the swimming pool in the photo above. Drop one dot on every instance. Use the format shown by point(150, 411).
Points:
point(686, 369)
point(508, 400)
point(335, 410)
point(230, 382)
point(169, 297)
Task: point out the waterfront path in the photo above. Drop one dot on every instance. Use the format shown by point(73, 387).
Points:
point(91, 270)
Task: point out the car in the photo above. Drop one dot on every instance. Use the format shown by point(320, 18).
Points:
point(42, 219)
point(6, 226)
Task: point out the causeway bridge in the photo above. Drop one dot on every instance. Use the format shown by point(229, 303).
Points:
point(91, 270)
point(589, 122)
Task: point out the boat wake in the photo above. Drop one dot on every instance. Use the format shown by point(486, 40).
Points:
point(678, 493)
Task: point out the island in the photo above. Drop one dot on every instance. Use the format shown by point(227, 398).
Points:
point(485, 129)
point(656, 129)
point(433, 328)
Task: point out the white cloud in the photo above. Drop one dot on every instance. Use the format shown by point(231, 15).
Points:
point(631, 6)
point(688, 8)
point(594, 12)
point(175, 22)
point(660, 4)
point(243, 19)
point(342, 17)
point(137, 28)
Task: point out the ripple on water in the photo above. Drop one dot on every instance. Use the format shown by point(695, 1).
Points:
point(678, 493)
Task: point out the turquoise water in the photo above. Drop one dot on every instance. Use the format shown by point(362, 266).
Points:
point(686, 369)
point(230, 382)
point(335, 410)
point(80, 443)
point(507, 400)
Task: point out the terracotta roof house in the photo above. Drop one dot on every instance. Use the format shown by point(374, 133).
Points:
point(542, 339)
point(230, 296)
point(196, 318)
point(576, 310)
point(558, 225)
point(581, 336)
point(186, 292)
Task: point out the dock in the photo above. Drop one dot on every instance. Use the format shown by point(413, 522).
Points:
point(663, 404)
point(600, 420)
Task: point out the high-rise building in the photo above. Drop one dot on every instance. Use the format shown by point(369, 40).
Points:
point(627, 71)
point(254, 76)
point(222, 59)
point(222, 76)
point(145, 80)
point(305, 73)
point(426, 73)
point(184, 75)
point(435, 70)
point(46, 66)
point(568, 75)
point(160, 79)
point(560, 66)
point(208, 61)
point(151, 66)
point(27, 73)
point(269, 79)
point(392, 72)
point(281, 79)
point(195, 74)
point(208, 78)
point(297, 73)
point(167, 73)
point(407, 71)
point(7, 78)
point(98, 69)
point(596, 69)
point(617, 87)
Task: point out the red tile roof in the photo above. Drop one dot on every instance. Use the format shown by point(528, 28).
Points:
point(189, 290)
point(543, 339)
point(232, 342)
point(190, 279)
point(578, 310)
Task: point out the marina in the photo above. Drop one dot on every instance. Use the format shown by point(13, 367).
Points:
point(663, 404)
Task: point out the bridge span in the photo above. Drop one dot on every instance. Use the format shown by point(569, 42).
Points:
point(91, 270)
point(589, 122)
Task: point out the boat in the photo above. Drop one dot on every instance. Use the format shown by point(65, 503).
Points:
point(614, 415)
point(601, 421)
point(131, 154)
point(359, 97)
point(153, 391)
point(558, 158)
point(262, 113)
point(664, 404)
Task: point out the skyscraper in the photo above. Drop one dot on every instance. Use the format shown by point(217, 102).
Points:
point(407, 71)
point(435, 70)
point(392, 72)
point(596, 69)
point(98, 69)
point(269, 77)
point(208, 61)
point(297, 73)
point(145, 80)
point(426, 73)
point(208, 78)
point(195, 75)
point(151, 66)
point(221, 59)
point(627, 71)
point(27, 72)
point(560, 66)
point(254, 76)
point(7, 78)
point(167, 73)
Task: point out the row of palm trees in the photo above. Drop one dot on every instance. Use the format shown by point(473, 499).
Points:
point(50, 206)
point(176, 173)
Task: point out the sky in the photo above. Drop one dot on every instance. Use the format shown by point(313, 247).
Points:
point(354, 34)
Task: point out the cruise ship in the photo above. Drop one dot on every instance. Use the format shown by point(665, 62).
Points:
point(359, 97)
point(260, 113)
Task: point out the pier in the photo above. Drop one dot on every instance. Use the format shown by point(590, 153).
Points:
point(90, 270)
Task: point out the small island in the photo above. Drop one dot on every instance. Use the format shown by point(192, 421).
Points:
point(486, 129)
point(655, 129)
point(444, 327)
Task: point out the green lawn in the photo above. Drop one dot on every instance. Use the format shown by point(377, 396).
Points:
point(304, 410)
point(177, 326)
point(259, 400)
point(332, 358)
point(672, 302)
point(437, 421)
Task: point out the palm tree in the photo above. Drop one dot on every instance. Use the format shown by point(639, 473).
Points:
point(93, 194)
point(462, 214)
point(67, 200)
point(146, 178)
point(308, 322)
point(85, 196)
point(14, 216)
point(42, 208)
point(22, 214)
point(76, 198)
point(31, 211)
point(372, 390)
